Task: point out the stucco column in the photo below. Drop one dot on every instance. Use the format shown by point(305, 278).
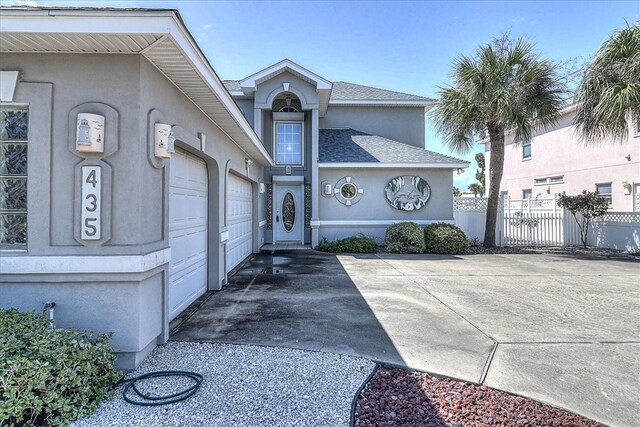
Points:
point(315, 186)
point(257, 122)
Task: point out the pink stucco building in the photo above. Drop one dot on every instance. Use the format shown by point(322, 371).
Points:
point(556, 161)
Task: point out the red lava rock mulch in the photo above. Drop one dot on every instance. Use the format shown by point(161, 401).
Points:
point(397, 397)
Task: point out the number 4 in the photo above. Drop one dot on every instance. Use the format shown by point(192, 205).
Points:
point(91, 178)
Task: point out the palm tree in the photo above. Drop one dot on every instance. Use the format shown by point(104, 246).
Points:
point(610, 89)
point(504, 87)
point(476, 189)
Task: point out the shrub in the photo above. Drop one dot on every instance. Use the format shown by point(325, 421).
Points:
point(404, 238)
point(50, 376)
point(443, 238)
point(584, 207)
point(353, 244)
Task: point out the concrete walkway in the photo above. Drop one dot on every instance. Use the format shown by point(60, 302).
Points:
point(559, 329)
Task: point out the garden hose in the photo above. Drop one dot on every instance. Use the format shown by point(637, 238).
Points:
point(147, 400)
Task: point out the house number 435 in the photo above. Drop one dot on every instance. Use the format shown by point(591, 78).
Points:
point(91, 192)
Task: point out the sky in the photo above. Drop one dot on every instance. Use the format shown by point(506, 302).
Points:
point(407, 46)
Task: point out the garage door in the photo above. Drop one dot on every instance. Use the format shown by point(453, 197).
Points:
point(239, 220)
point(187, 230)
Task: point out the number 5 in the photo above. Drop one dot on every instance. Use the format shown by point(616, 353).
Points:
point(89, 229)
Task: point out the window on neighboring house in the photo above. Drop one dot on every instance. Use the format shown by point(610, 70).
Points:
point(288, 137)
point(526, 148)
point(526, 193)
point(549, 180)
point(605, 191)
point(14, 127)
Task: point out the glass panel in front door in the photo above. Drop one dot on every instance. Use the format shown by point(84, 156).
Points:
point(288, 211)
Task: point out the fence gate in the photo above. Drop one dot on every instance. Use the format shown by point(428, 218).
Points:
point(533, 222)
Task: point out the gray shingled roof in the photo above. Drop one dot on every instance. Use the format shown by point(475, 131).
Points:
point(349, 145)
point(343, 91)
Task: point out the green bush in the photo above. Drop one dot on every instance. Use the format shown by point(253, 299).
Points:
point(353, 244)
point(443, 238)
point(50, 376)
point(404, 238)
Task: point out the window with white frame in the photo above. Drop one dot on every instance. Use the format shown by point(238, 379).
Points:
point(604, 190)
point(14, 127)
point(288, 143)
point(526, 148)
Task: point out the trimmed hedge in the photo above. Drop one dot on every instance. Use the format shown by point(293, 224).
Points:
point(50, 376)
point(443, 238)
point(404, 238)
point(353, 244)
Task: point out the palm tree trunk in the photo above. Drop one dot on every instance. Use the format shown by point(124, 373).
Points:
point(496, 141)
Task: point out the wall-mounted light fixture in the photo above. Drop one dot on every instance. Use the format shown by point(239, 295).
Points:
point(262, 188)
point(327, 189)
point(164, 141)
point(628, 157)
point(460, 171)
point(90, 133)
point(626, 185)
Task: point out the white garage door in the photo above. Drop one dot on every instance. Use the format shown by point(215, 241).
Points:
point(239, 220)
point(187, 231)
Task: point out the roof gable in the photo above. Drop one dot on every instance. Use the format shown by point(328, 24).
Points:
point(249, 84)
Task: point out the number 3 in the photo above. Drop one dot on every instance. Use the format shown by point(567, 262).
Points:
point(93, 202)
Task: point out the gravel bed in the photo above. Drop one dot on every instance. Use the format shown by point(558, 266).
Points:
point(397, 397)
point(243, 386)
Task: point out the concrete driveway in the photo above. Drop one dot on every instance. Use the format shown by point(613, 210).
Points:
point(556, 328)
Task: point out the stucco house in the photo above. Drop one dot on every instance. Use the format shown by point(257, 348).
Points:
point(556, 160)
point(132, 179)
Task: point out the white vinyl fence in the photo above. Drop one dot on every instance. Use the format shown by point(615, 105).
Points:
point(540, 222)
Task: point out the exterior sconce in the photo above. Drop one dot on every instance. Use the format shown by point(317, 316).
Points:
point(627, 187)
point(164, 141)
point(263, 188)
point(460, 171)
point(287, 170)
point(248, 162)
point(628, 157)
point(327, 189)
point(90, 133)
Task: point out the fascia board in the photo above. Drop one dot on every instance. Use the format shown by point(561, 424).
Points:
point(185, 42)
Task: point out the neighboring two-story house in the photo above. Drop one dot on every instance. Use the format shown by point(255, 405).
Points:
point(133, 180)
point(556, 160)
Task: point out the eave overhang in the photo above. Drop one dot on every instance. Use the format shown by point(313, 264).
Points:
point(157, 34)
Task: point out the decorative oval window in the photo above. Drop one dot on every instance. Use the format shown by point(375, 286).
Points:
point(288, 211)
point(348, 190)
point(407, 192)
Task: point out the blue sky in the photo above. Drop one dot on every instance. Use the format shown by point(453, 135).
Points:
point(403, 46)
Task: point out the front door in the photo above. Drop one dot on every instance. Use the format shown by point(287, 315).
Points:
point(288, 213)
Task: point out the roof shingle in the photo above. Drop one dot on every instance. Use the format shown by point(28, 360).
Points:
point(352, 146)
point(345, 91)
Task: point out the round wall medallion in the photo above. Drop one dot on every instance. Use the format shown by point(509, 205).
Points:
point(347, 191)
point(407, 192)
